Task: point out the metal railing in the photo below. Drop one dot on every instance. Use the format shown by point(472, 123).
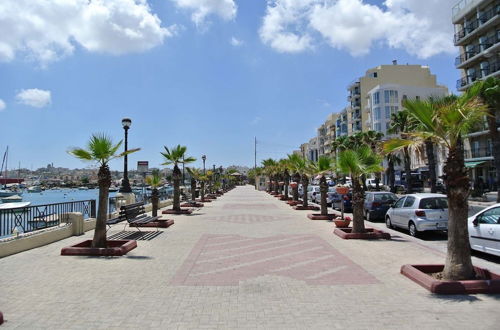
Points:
point(30, 218)
point(477, 49)
point(477, 152)
point(472, 25)
point(493, 67)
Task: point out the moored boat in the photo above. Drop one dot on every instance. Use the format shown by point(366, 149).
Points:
point(9, 206)
point(13, 198)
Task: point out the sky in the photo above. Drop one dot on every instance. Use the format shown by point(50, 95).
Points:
point(208, 74)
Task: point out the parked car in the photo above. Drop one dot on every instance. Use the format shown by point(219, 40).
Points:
point(377, 203)
point(371, 184)
point(316, 196)
point(484, 230)
point(337, 201)
point(418, 213)
point(313, 193)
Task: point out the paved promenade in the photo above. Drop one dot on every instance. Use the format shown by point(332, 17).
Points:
point(245, 261)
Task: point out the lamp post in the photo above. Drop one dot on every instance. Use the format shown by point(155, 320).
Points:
point(204, 158)
point(125, 187)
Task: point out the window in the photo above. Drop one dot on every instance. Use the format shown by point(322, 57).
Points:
point(376, 98)
point(378, 127)
point(492, 216)
point(387, 112)
point(387, 96)
point(387, 126)
point(433, 203)
point(409, 201)
point(376, 113)
point(399, 203)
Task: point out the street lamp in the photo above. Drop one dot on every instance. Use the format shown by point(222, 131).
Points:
point(125, 188)
point(204, 158)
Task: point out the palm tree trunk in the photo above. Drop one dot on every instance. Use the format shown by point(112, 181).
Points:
point(193, 189)
point(323, 188)
point(176, 177)
point(495, 141)
point(154, 201)
point(295, 190)
point(276, 185)
point(392, 175)
point(363, 179)
point(305, 183)
point(287, 182)
point(202, 192)
point(458, 264)
point(358, 198)
point(104, 179)
point(431, 159)
point(409, 188)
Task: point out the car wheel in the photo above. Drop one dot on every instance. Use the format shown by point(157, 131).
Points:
point(388, 223)
point(413, 229)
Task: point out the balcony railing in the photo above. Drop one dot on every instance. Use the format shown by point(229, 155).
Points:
point(477, 49)
point(492, 68)
point(477, 152)
point(471, 26)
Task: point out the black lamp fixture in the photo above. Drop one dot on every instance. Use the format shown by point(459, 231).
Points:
point(125, 187)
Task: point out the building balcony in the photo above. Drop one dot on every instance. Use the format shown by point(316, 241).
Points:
point(492, 70)
point(488, 19)
point(355, 105)
point(482, 152)
point(478, 51)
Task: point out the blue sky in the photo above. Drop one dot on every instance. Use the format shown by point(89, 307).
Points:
point(210, 75)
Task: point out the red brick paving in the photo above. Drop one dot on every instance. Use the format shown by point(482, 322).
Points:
point(226, 260)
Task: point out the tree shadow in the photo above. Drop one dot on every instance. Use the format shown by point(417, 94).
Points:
point(136, 235)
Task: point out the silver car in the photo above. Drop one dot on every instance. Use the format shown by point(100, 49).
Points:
point(484, 230)
point(418, 213)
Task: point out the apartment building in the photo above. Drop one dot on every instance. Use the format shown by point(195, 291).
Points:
point(477, 35)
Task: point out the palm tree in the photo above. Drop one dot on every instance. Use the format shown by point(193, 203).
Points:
point(195, 176)
point(323, 166)
point(358, 162)
point(284, 166)
point(403, 124)
point(447, 122)
point(175, 157)
point(293, 159)
point(490, 94)
point(154, 180)
point(101, 149)
point(269, 169)
point(373, 139)
point(301, 166)
point(392, 160)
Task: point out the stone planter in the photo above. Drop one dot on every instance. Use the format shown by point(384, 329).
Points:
point(342, 223)
point(279, 196)
point(294, 203)
point(318, 216)
point(192, 204)
point(370, 233)
point(182, 211)
point(160, 223)
point(421, 275)
point(205, 201)
point(308, 208)
point(114, 248)
point(284, 198)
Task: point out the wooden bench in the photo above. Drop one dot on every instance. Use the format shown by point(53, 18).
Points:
point(136, 216)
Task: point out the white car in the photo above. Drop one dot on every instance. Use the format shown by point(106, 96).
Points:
point(484, 230)
point(418, 213)
point(313, 194)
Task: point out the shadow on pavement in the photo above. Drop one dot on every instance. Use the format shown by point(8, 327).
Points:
point(136, 235)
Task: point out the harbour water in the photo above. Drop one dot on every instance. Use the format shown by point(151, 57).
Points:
point(61, 196)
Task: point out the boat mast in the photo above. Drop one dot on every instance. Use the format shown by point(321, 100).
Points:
point(4, 162)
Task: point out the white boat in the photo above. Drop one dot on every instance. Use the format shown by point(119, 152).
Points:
point(14, 198)
point(7, 193)
point(8, 206)
point(83, 188)
point(35, 189)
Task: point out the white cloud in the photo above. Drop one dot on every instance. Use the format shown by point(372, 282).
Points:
point(35, 97)
point(226, 9)
point(236, 42)
point(46, 31)
point(2, 105)
point(256, 121)
point(353, 25)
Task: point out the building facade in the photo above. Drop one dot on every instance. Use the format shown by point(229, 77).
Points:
point(477, 36)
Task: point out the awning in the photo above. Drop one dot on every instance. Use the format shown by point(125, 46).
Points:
point(473, 164)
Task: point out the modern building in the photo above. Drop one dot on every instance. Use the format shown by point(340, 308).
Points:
point(477, 35)
point(358, 113)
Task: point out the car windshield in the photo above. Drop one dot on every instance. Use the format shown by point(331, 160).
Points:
point(433, 203)
point(384, 197)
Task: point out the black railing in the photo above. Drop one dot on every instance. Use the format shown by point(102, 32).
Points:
point(31, 218)
point(477, 152)
point(475, 23)
point(492, 67)
point(477, 49)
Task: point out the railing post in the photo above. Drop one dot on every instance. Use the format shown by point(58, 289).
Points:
point(92, 208)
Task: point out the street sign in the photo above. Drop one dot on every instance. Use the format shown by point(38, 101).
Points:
point(142, 166)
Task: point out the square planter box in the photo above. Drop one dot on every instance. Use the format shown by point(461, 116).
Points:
point(318, 216)
point(294, 203)
point(182, 211)
point(346, 233)
point(191, 204)
point(205, 201)
point(284, 198)
point(160, 223)
point(420, 275)
point(309, 208)
point(114, 248)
